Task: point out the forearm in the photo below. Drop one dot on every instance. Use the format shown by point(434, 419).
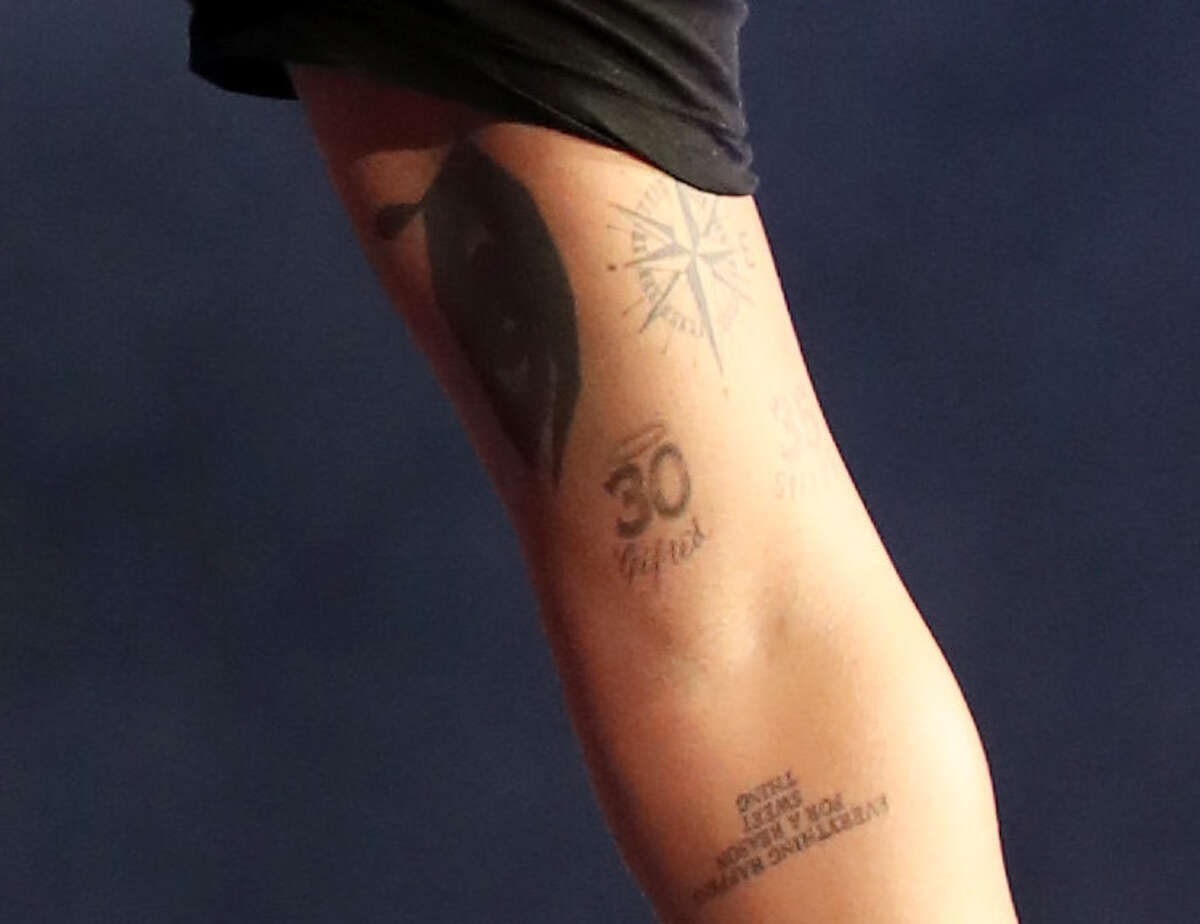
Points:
point(720, 607)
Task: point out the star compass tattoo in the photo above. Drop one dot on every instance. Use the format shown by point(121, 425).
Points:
point(689, 266)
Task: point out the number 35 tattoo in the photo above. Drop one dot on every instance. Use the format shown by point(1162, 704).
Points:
point(650, 478)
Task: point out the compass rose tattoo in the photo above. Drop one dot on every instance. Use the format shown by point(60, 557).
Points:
point(689, 266)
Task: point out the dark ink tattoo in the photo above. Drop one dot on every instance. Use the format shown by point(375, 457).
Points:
point(651, 480)
point(500, 281)
point(688, 264)
point(665, 488)
point(647, 559)
point(778, 823)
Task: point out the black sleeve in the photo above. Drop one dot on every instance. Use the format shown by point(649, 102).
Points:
point(657, 78)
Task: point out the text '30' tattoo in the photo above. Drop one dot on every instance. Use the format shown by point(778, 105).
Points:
point(650, 478)
point(804, 457)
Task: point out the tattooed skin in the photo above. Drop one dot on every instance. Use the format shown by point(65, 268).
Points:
point(501, 283)
point(779, 823)
point(804, 458)
point(650, 479)
point(689, 265)
point(628, 480)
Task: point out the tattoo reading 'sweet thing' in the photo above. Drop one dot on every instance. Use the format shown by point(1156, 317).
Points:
point(650, 479)
point(689, 265)
point(778, 824)
point(500, 282)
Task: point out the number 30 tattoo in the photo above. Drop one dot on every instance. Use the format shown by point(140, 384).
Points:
point(661, 487)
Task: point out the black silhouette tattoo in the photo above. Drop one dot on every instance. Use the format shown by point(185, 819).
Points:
point(500, 281)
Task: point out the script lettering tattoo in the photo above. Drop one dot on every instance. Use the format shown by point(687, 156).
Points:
point(777, 824)
point(500, 281)
point(689, 265)
point(651, 480)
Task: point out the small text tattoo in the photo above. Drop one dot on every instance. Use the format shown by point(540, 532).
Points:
point(647, 559)
point(803, 456)
point(777, 824)
point(649, 479)
point(501, 283)
point(690, 266)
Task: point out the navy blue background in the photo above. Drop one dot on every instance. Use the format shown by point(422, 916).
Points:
point(266, 650)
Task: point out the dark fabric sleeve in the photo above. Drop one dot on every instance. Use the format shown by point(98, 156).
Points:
point(657, 78)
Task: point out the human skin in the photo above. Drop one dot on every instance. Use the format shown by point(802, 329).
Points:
point(768, 724)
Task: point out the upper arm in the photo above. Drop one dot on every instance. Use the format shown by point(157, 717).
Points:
point(570, 295)
point(620, 351)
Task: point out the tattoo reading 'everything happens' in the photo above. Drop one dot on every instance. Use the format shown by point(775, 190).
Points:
point(650, 478)
point(777, 824)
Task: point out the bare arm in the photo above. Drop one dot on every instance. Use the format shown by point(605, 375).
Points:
point(769, 726)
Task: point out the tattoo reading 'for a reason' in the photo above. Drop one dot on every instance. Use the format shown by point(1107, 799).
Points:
point(779, 824)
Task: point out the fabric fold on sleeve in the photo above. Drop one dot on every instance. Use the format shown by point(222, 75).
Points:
point(656, 78)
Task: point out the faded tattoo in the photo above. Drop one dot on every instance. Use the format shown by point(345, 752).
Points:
point(803, 456)
point(650, 479)
point(689, 266)
point(777, 824)
point(500, 282)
